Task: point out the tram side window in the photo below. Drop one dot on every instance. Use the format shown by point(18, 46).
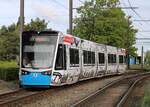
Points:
point(85, 55)
point(89, 57)
point(93, 57)
point(121, 59)
point(111, 58)
point(101, 58)
point(61, 58)
point(114, 58)
point(125, 60)
point(74, 56)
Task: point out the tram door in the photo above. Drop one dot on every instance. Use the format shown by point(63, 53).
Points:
point(60, 73)
point(102, 60)
point(73, 65)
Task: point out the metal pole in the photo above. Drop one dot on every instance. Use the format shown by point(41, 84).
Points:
point(128, 55)
point(21, 16)
point(21, 26)
point(70, 15)
point(142, 59)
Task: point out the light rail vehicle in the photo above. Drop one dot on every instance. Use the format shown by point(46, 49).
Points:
point(51, 58)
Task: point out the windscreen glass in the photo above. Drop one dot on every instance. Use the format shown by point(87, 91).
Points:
point(39, 51)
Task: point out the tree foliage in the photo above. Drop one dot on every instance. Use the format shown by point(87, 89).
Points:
point(148, 57)
point(9, 38)
point(37, 24)
point(103, 22)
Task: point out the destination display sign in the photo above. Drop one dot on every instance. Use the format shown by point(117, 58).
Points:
point(40, 39)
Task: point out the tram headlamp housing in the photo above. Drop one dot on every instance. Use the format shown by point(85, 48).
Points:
point(25, 72)
point(47, 73)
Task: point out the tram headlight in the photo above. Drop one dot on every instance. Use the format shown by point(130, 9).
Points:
point(25, 72)
point(47, 73)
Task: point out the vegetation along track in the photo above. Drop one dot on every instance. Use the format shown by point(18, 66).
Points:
point(113, 94)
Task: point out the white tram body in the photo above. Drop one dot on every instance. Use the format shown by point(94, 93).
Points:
point(52, 58)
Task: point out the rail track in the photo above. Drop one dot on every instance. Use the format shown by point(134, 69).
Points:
point(113, 94)
point(9, 99)
point(17, 98)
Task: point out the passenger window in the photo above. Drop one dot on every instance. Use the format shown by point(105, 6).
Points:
point(121, 59)
point(111, 58)
point(61, 58)
point(125, 59)
point(89, 57)
point(93, 57)
point(101, 58)
point(85, 56)
point(114, 58)
point(74, 57)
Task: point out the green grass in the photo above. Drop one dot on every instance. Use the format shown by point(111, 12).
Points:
point(139, 67)
point(146, 99)
point(9, 70)
point(6, 64)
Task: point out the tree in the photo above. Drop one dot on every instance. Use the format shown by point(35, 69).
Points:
point(9, 42)
point(103, 22)
point(148, 57)
point(37, 24)
point(9, 38)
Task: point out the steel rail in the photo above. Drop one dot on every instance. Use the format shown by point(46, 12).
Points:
point(18, 98)
point(106, 87)
point(124, 98)
point(8, 102)
point(11, 93)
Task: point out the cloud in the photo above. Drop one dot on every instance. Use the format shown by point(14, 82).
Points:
point(52, 12)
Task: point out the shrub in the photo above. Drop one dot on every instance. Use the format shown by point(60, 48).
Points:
point(9, 71)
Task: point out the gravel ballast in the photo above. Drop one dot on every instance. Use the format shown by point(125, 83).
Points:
point(71, 94)
point(6, 87)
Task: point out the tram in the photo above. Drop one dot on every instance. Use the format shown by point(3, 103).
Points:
point(51, 58)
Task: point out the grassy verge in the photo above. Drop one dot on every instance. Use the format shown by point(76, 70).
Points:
point(9, 70)
point(139, 67)
point(146, 99)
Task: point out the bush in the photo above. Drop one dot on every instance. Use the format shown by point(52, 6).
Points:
point(9, 71)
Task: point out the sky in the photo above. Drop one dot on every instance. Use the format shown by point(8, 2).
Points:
point(57, 14)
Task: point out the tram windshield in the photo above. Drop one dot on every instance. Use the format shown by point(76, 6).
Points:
point(38, 51)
